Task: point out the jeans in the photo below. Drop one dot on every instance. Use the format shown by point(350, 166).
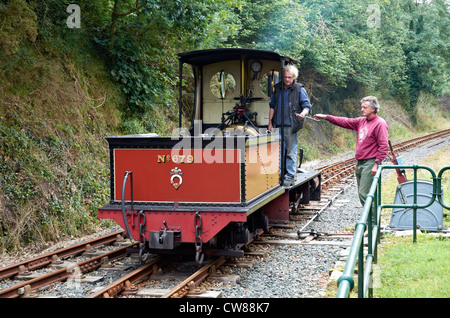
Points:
point(290, 146)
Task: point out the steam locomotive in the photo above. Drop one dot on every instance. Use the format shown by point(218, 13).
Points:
point(211, 188)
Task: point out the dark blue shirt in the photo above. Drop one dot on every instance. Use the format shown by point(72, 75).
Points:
point(304, 102)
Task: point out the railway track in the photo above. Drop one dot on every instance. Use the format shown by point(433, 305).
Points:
point(64, 271)
point(335, 179)
point(53, 257)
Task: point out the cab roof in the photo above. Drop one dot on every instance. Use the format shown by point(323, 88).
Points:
point(205, 57)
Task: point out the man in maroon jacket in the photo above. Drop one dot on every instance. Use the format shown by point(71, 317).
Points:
point(372, 141)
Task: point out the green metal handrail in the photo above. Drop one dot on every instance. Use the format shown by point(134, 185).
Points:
point(439, 185)
point(370, 220)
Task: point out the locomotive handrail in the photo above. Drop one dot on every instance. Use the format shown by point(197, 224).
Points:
point(370, 219)
point(125, 178)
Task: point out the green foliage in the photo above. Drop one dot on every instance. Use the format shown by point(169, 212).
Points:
point(285, 33)
point(53, 173)
point(426, 47)
point(18, 23)
point(399, 53)
point(404, 52)
point(142, 55)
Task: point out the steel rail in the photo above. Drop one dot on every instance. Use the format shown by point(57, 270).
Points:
point(370, 220)
point(342, 174)
point(126, 282)
point(23, 289)
point(51, 257)
point(187, 285)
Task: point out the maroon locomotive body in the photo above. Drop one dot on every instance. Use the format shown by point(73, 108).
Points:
point(211, 188)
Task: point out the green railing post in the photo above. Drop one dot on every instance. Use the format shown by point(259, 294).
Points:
point(346, 282)
point(415, 205)
point(437, 191)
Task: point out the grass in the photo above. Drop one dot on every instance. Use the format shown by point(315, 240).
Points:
point(413, 270)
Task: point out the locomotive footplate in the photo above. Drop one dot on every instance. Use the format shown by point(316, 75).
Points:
point(305, 188)
point(304, 176)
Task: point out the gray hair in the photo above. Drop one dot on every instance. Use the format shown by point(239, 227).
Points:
point(373, 101)
point(292, 68)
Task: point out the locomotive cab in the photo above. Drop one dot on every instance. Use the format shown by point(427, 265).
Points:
point(232, 88)
point(212, 187)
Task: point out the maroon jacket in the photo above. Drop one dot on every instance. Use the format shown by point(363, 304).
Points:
point(372, 139)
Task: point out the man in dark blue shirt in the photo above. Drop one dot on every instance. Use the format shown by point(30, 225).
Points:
point(296, 105)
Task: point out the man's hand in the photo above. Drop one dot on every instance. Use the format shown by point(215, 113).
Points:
point(374, 169)
point(302, 114)
point(320, 116)
point(270, 127)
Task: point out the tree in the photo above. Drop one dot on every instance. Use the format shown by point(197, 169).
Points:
point(143, 38)
point(426, 47)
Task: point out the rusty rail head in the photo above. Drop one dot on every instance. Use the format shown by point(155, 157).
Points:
point(184, 287)
point(125, 282)
point(61, 274)
point(46, 259)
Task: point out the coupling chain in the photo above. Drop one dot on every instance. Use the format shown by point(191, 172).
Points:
point(141, 221)
point(198, 239)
